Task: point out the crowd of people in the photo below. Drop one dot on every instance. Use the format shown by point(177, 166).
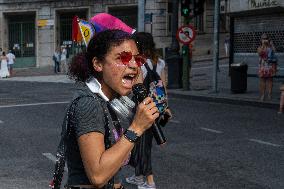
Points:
point(7, 62)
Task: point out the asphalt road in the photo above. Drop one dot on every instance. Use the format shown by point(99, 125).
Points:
point(210, 145)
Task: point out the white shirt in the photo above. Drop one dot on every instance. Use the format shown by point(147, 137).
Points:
point(95, 86)
point(11, 57)
point(160, 67)
point(63, 54)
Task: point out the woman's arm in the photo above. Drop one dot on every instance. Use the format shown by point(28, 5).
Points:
point(101, 164)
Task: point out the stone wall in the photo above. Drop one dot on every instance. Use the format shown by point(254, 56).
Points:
point(47, 36)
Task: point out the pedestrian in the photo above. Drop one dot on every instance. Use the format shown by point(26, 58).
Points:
point(267, 67)
point(11, 60)
point(97, 147)
point(143, 149)
point(63, 62)
point(4, 72)
point(56, 58)
point(281, 103)
point(227, 44)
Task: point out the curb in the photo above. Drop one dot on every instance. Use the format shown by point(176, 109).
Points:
point(225, 100)
point(209, 59)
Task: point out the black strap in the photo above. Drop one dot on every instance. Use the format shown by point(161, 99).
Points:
point(61, 149)
point(149, 69)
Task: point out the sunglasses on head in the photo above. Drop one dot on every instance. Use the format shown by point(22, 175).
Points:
point(126, 57)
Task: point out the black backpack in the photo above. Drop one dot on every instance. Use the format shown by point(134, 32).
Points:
point(155, 88)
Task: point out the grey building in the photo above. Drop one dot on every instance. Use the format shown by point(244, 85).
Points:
point(34, 28)
point(249, 20)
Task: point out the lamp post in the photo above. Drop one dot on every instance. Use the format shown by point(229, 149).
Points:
point(216, 47)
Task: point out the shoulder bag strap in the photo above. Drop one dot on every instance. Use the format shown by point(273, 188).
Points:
point(147, 66)
point(61, 149)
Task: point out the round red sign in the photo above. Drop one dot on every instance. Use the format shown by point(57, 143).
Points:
point(186, 34)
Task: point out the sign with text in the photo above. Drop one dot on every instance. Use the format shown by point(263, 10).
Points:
point(45, 22)
point(255, 4)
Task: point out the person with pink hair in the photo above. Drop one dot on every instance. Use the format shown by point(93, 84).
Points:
point(96, 145)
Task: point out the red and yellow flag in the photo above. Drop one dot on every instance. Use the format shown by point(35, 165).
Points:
point(76, 33)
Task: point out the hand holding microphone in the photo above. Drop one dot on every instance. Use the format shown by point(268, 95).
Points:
point(146, 114)
point(149, 112)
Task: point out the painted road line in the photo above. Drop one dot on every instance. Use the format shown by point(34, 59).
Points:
point(265, 143)
point(211, 130)
point(33, 104)
point(174, 121)
point(1, 121)
point(53, 159)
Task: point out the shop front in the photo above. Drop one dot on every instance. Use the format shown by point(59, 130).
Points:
point(249, 20)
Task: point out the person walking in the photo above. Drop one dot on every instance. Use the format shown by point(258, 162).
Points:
point(63, 62)
point(4, 72)
point(11, 60)
point(97, 147)
point(144, 176)
point(56, 58)
point(227, 44)
point(267, 67)
point(281, 102)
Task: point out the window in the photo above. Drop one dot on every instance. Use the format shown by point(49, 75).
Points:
point(127, 14)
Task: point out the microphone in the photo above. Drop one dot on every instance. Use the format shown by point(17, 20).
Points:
point(140, 93)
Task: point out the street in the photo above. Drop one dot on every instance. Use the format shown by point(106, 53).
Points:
point(209, 145)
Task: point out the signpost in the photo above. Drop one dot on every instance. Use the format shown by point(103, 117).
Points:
point(185, 35)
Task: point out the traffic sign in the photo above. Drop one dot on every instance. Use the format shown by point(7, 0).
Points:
point(186, 34)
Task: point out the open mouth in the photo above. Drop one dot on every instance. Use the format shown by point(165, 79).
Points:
point(128, 80)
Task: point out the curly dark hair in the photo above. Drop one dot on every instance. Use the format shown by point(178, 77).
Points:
point(81, 66)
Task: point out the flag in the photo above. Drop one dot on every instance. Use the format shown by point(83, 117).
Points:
point(87, 30)
point(76, 34)
point(98, 23)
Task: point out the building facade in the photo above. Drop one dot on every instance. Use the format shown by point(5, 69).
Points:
point(34, 28)
point(249, 20)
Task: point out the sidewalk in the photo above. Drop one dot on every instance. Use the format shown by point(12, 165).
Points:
point(45, 74)
point(201, 87)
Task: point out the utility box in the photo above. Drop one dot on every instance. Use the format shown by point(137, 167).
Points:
point(238, 72)
point(174, 63)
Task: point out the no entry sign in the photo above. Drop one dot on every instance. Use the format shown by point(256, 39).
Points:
point(186, 34)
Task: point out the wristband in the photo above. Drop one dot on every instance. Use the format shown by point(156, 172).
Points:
point(130, 135)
